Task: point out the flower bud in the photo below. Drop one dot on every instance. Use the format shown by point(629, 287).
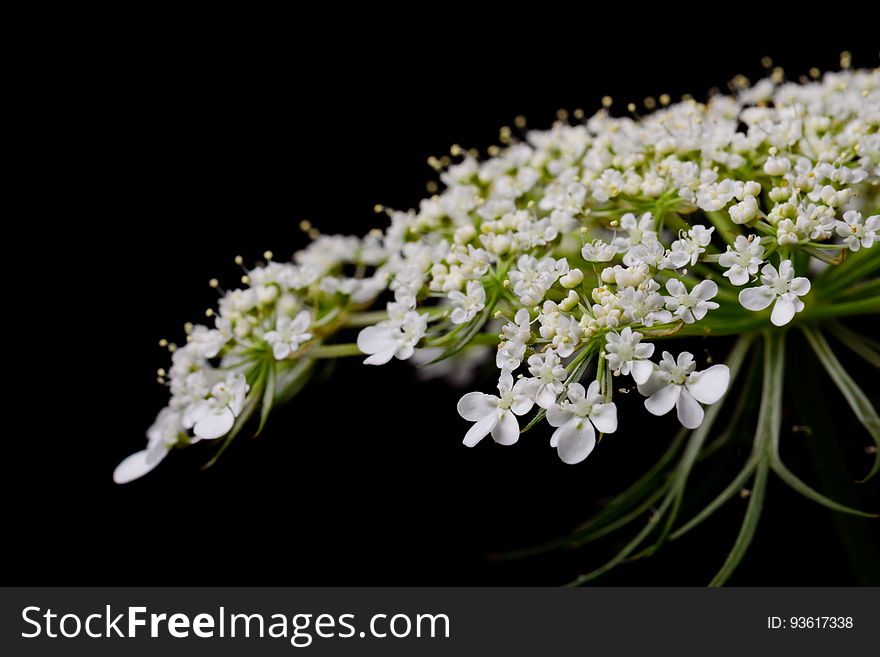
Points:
point(572, 279)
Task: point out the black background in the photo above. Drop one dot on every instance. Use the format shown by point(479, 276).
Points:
point(166, 153)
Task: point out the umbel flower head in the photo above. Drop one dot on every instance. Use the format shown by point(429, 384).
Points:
point(572, 251)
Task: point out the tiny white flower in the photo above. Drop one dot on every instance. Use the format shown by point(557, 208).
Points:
point(676, 384)
point(468, 305)
point(777, 166)
point(598, 251)
point(628, 355)
point(638, 231)
point(396, 338)
point(207, 343)
point(572, 279)
point(816, 221)
point(690, 306)
point(787, 232)
point(716, 196)
point(687, 249)
point(857, 234)
point(742, 260)
point(562, 330)
point(781, 287)
point(744, 211)
point(575, 418)
point(515, 336)
point(497, 414)
point(532, 277)
point(213, 417)
point(289, 334)
point(161, 437)
point(549, 376)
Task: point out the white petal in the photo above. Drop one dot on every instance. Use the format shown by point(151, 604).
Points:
point(783, 311)
point(705, 290)
point(756, 298)
point(675, 287)
point(557, 415)
point(138, 464)
point(690, 413)
point(800, 286)
point(374, 339)
point(506, 430)
point(709, 385)
point(381, 357)
point(474, 406)
point(653, 384)
point(642, 370)
point(302, 322)
point(575, 440)
point(593, 390)
point(604, 416)
point(545, 398)
point(480, 430)
point(280, 350)
point(576, 392)
point(662, 401)
point(215, 424)
point(737, 275)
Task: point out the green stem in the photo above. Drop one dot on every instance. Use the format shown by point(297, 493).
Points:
point(856, 398)
point(749, 525)
point(769, 420)
point(335, 351)
point(359, 320)
point(725, 227)
point(868, 306)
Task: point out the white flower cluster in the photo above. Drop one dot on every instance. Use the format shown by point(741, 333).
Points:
point(588, 241)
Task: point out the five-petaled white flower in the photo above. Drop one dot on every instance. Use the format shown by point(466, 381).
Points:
point(742, 260)
point(289, 334)
point(857, 234)
point(675, 383)
point(467, 305)
point(392, 339)
point(497, 415)
point(213, 417)
point(549, 377)
point(626, 355)
point(575, 418)
point(693, 305)
point(782, 287)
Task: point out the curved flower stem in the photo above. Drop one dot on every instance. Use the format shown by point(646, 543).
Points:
point(858, 401)
point(628, 549)
point(747, 530)
point(698, 438)
point(769, 420)
point(618, 506)
point(335, 351)
point(367, 318)
point(856, 342)
point(868, 306)
point(724, 226)
point(736, 413)
point(622, 521)
point(732, 489)
point(250, 405)
point(672, 500)
point(856, 267)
